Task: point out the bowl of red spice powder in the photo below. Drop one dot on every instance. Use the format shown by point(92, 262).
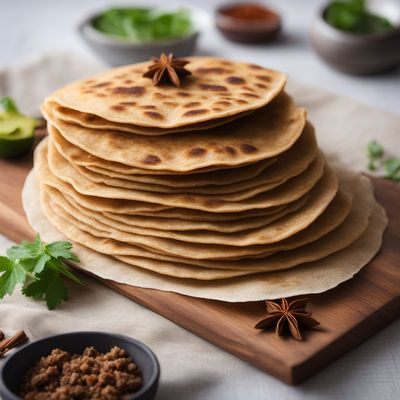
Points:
point(248, 22)
point(81, 365)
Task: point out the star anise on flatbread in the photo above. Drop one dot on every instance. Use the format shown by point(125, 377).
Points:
point(167, 69)
point(287, 317)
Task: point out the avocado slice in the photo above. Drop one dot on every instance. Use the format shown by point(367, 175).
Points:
point(16, 130)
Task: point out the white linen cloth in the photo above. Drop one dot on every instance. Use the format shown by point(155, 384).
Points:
point(191, 367)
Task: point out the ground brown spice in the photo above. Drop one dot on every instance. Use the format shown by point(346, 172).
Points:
point(90, 376)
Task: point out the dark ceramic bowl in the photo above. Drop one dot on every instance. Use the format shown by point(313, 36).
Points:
point(246, 31)
point(17, 364)
point(359, 53)
point(117, 52)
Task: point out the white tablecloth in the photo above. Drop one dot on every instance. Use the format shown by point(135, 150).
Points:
point(192, 368)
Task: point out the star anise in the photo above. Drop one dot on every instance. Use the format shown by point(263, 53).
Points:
point(167, 69)
point(287, 316)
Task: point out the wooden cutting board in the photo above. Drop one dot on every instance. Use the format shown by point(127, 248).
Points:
point(348, 314)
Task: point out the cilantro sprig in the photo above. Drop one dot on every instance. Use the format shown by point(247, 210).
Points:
point(391, 166)
point(40, 269)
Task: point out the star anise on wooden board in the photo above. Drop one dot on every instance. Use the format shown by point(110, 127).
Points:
point(167, 69)
point(287, 317)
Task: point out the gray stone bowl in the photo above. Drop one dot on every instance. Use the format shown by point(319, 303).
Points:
point(359, 53)
point(14, 367)
point(116, 52)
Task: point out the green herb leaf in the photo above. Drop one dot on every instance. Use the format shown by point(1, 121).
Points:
point(61, 250)
point(26, 249)
point(353, 16)
point(45, 266)
point(8, 105)
point(48, 285)
point(144, 24)
point(13, 273)
point(392, 169)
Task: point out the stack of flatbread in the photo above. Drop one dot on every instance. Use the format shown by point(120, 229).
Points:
point(219, 180)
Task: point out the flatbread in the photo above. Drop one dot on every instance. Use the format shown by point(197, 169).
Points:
point(314, 277)
point(289, 164)
point(216, 89)
point(170, 224)
point(323, 194)
point(254, 198)
point(263, 134)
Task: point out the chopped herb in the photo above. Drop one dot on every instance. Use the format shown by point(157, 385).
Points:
point(391, 166)
point(374, 152)
point(40, 268)
point(144, 24)
point(353, 16)
point(392, 169)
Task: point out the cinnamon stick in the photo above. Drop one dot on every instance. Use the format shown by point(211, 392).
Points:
point(11, 342)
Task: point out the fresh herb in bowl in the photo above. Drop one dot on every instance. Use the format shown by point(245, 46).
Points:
point(144, 24)
point(353, 16)
point(40, 268)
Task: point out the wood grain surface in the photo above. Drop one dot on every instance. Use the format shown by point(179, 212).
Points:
point(348, 314)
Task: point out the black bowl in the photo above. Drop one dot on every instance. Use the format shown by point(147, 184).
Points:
point(15, 366)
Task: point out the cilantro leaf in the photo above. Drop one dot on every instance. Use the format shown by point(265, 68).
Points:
point(61, 250)
point(26, 249)
point(374, 153)
point(44, 265)
point(13, 273)
point(47, 285)
point(392, 169)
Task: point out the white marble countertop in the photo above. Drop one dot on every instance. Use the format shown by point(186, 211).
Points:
point(28, 28)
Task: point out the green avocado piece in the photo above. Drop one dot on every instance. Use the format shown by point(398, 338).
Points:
point(16, 130)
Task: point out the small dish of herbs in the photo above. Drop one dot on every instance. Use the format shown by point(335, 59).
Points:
point(144, 24)
point(356, 16)
point(128, 35)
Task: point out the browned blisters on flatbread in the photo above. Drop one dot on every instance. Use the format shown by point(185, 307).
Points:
point(213, 88)
point(183, 94)
point(248, 88)
point(159, 95)
point(88, 81)
point(223, 62)
point(235, 80)
point(248, 148)
point(192, 104)
point(217, 109)
point(197, 152)
point(130, 90)
point(264, 78)
point(152, 159)
point(128, 81)
point(128, 103)
point(230, 150)
point(118, 107)
point(149, 107)
point(197, 111)
point(170, 103)
point(211, 70)
point(213, 203)
point(100, 95)
point(223, 103)
point(154, 115)
point(88, 117)
point(251, 95)
point(101, 84)
point(240, 101)
point(255, 66)
point(261, 85)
